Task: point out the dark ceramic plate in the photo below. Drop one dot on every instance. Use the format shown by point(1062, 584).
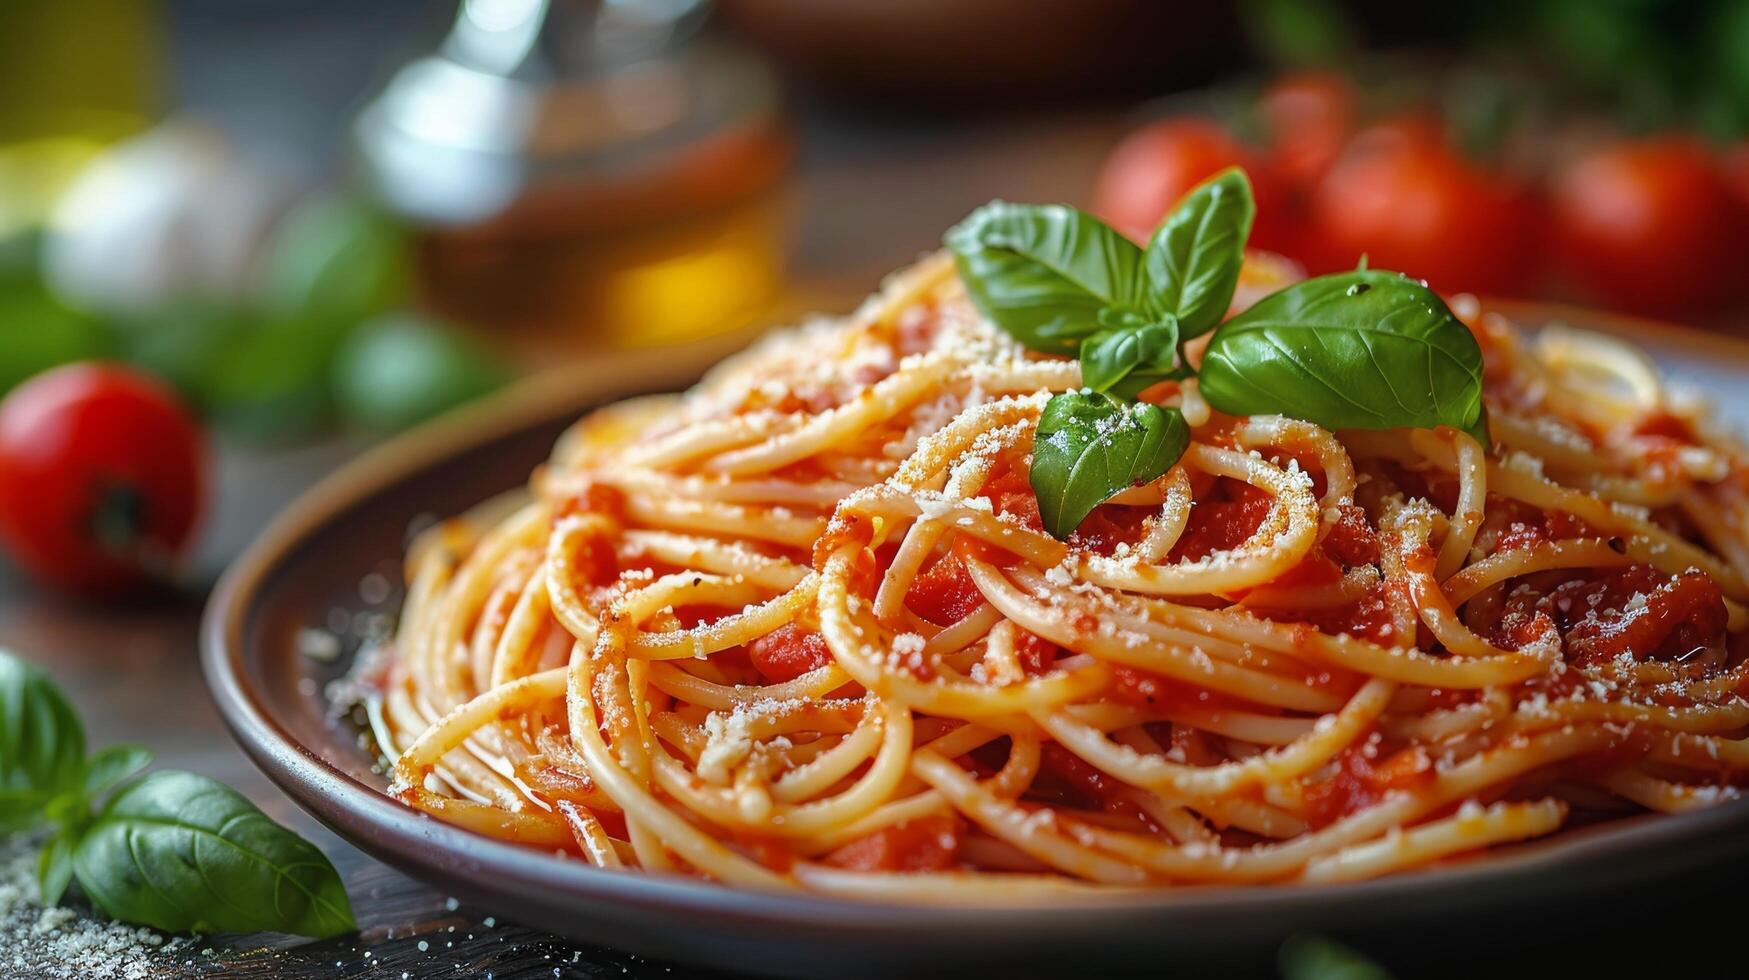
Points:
point(307, 567)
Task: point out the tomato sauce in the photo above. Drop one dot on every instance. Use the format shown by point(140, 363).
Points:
point(925, 844)
point(1352, 540)
point(1363, 777)
point(1637, 611)
point(944, 593)
point(1222, 522)
point(788, 652)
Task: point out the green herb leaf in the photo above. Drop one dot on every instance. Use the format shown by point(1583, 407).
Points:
point(1125, 360)
point(181, 852)
point(1307, 957)
point(42, 745)
point(54, 867)
point(1091, 446)
point(1193, 260)
point(1356, 350)
point(1043, 273)
point(114, 764)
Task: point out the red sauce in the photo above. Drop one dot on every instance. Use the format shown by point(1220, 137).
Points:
point(1145, 690)
point(1352, 540)
point(1527, 525)
point(1682, 616)
point(594, 556)
point(788, 652)
point(593, 498)
point(944, 593)
point(1598, 618)
point(1360, 782)
point(1037, 654)
point(924, 844)
point(1668, 426)
point(1066, 779)
point(1368, 617)
point(1011, 493)
point(1222, 522)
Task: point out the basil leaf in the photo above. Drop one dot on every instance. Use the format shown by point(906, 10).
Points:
point(1091, 446)
point(54, 868)
point(1310, 957)
point(1125, 361)
point(180, 852)
point(42, 745)
point(1193, 260)
point(1356, 350)
point(1043, 272)
point(114, 764)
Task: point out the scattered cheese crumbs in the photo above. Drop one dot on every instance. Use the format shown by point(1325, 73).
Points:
point(65, 942)
point(318, 644)
point(1523, 462)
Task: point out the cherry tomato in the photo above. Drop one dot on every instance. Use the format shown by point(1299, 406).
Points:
point(1648, 225)
point(1401, 196)
point(101, 477)
point(1309, 116)
point(1158, 164)
point(1734, 168)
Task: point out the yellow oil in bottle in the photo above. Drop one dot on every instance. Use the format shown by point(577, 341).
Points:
point(74, 77)
point(677, 254)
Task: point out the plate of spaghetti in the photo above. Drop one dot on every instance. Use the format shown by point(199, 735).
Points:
point(1074, 597)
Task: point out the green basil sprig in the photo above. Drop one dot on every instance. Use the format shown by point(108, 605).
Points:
point(1126, 360)
point(1045, 271)
point(1090, 446)
point(42, 745)
point(181, 852)
point(1194, 257)
point(1363, 349)
point(173, 850)
point(1358, 350)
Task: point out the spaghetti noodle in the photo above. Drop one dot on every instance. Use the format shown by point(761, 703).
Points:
point(799, 628)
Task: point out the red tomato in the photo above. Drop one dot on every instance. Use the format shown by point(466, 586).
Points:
point(101, 477)
point(1158, 164)
point(1648, 225)
point(1309, 115)
point(788, 652)
point(1403, 198)
point(1734, 167)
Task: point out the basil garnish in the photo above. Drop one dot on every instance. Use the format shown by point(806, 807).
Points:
point(1043, 273)
point(178, 851)
point(1090, 446)
point(114, 764)
point(172, 850)
point(1193, 258)
point(1125, 360)
point(42, 745)
point(54, 868)
point(1358, 350)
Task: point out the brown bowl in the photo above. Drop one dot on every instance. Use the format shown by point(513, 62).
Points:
point(310, 561)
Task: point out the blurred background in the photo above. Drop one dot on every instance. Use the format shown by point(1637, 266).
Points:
point(318, 222)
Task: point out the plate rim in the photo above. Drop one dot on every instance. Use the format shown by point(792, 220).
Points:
point(388, 830)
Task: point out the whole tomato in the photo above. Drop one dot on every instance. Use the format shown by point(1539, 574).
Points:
point(1155, 166)
point(1648, 225)
point(101, 477)
point(1404, 198)
point(1309, 116)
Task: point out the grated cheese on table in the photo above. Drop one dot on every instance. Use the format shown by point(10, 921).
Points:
point(68, 942)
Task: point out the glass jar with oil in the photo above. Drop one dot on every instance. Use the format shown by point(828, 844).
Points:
point(585, 173)
point(74, 78)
